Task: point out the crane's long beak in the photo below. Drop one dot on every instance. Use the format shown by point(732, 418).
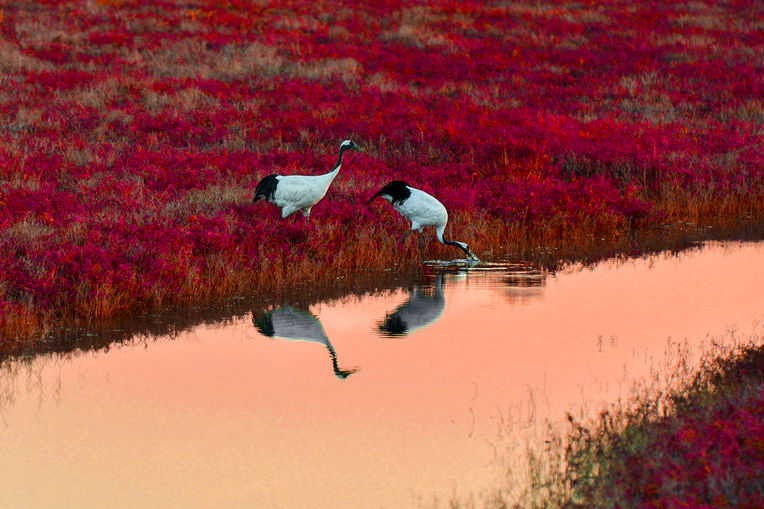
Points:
point(472, 255)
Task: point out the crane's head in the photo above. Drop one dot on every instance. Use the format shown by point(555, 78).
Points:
point(350, 145)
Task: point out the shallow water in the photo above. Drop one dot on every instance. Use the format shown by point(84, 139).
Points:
point(393, 399)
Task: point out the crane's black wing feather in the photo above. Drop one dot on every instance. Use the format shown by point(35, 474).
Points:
point(266, 187)
point(398, 190)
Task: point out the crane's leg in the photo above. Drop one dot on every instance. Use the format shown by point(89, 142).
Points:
point(306, 213)
point(421, 250)
point(407, 235)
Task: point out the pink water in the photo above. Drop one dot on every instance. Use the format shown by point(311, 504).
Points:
point(225, 416)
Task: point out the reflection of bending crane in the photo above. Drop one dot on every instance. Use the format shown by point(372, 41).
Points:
point(294, 324)
point(420, 310)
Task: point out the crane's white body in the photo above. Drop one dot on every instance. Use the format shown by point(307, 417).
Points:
point(299, 192)
point(422, 209)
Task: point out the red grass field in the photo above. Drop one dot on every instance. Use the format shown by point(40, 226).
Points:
point(699, 445)
point(133, 133)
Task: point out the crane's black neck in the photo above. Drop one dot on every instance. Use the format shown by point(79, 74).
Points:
point(460, 246)
point(343, 148)
point(338, 372)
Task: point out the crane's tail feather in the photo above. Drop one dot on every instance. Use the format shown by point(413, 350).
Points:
point(265, 188)
point(398, 190)
point(378, 193)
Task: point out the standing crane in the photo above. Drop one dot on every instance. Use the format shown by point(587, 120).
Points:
point(422, 210)
point(299, 192)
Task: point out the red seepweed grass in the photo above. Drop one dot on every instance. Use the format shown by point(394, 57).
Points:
point(133, 133)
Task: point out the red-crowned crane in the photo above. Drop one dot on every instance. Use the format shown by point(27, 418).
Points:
point(299, 192)
point(422, 210)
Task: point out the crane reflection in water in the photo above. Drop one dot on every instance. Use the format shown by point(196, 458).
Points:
point(295, 324)
point(520, 283)
point(421, 309)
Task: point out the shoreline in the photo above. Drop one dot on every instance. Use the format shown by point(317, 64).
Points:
point(44, 332)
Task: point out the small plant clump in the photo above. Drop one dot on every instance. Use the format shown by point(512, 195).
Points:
point(133, 134)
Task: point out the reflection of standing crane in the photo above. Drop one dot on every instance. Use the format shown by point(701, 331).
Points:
point(294, 324)
point(420, 310)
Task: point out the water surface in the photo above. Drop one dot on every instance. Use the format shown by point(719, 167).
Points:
point(392, 399)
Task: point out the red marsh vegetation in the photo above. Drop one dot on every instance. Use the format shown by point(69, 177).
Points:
point(133, 134)
point(698, 444)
